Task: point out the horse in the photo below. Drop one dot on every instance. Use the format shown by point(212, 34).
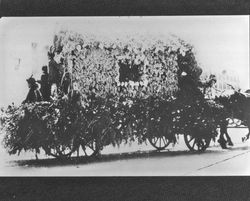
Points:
point(236, 106)
point(240, 107)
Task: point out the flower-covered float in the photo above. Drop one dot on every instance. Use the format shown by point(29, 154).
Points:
point(132, 88)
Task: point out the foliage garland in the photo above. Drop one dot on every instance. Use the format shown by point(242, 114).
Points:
point(148, 94)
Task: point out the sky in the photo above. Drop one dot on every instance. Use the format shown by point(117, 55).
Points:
point(220, 42)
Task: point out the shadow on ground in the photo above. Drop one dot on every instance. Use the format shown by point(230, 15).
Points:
point(50, 162)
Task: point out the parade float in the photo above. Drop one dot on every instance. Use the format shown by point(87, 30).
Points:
point(135, 88)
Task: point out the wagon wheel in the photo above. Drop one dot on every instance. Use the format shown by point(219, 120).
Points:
point(156, 136)
point(91, 142)
point(195, 143)
point(159, 142)
point(90, 148)
point(62, 150)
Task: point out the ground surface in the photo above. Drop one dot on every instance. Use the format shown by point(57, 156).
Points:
point(138, 160)
point(130, 161)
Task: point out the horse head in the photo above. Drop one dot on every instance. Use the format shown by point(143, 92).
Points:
point(237, 98)
point(240, 106)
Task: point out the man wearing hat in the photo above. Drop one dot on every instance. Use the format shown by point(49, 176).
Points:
point(208, 89)
point(34, 94)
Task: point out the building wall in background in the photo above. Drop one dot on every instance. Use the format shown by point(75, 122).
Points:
point(224, 79)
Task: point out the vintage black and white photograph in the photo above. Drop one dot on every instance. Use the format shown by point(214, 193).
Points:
point(125, 96)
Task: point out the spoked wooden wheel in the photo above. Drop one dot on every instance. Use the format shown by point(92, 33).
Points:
point(62, 150)
point(156, 132)
point(90, 148)
point(195, 143)
point(160, 143)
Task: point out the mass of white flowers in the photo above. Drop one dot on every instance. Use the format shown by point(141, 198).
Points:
point(96, 62)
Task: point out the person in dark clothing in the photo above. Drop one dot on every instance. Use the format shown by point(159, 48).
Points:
point(45, 86)
point(189, 77)
point(55, 70)
point(34, 94)
point(74, 95)
point(55, 75)
point(210, 83)
point(189, 89)
point(66, 82)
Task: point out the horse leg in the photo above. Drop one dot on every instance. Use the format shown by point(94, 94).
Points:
point(78, 149)
point(37, 151)
point(247, 135)
point(77, 152)
point(230, 143)
point(222, 140)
